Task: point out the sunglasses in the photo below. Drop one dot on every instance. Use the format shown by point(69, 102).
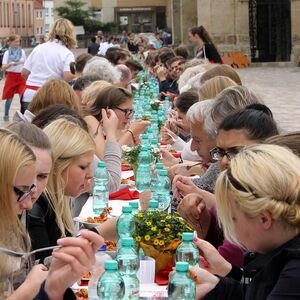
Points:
point(128, 112)
point(23, 194)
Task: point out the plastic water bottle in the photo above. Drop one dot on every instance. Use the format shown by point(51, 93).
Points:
point(125, 224)
point(100, 190)
point(135, 207)
point(154, 178)
point(128, 262)
point(187, 251)
point(181, 285)
point(143, 179)
point(111, 284)
point(162, 191)
point(153, 205)
point(97, 270)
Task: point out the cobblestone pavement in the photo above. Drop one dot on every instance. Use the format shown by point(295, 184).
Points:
point(279, 87)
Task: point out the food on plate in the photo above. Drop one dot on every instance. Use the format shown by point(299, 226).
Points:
point(82, 294)
point(111, 245)
point(101, 218)
point(87, 276)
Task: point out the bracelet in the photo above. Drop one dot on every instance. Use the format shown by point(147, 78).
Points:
point(133, 139)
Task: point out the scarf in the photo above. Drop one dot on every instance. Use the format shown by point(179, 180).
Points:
point(14, 55)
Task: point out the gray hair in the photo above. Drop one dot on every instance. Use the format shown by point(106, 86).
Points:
point(231, 100)
point(200, 112)
point(101, 67)
point(191, 72)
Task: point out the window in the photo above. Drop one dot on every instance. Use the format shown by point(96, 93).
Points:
point(52, 12)
point(37, 14)
point(1, 24)
point(29, 15)
point(41, 14)
point(23, 16)
point(7, 15)
point(18, 13)
point(47, 28)
point(47, 12)
point(37, 30)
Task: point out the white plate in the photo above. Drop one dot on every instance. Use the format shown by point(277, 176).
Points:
point(86, 224)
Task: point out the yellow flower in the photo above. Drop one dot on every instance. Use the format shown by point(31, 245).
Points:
point(140, 215)
point(167, 229)
point(161, 243)
point(147, 237)
point(153, 228)
point(156, 242)
point(162, 221)
point(149, 223)
point(149, 213)
point(138, 239)
point(168, 217)
point(168, 225)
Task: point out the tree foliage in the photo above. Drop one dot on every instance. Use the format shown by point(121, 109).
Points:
point(74, 11)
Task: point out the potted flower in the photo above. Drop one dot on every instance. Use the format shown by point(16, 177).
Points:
point(159, 234)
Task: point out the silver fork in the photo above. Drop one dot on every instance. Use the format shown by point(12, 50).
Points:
point(26, 254)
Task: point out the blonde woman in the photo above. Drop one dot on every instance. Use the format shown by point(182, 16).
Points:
point(73, 152)
point(212, 87)
point(54, 91)
point(12, 63)
point(50, 60)
point(90, 93)
point(259, 208)
point(17, 171)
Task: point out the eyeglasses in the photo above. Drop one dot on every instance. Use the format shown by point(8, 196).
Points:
point(217, 153)
point(23, 194)
point(128, 112)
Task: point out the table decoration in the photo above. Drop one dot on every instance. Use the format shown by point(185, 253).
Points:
point(159, 234)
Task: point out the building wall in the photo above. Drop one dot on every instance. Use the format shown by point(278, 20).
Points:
point(295, 9)
point(49, 15)
point(39, 22)
point(16, 17)
point(227, 22)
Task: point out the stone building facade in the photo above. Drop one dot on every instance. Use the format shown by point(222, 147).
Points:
point(266, 30)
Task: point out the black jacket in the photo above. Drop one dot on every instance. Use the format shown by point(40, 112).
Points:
point(93, 48)
point(272, 276)
point(211, 53)
point(42, 227)
point(42, 295)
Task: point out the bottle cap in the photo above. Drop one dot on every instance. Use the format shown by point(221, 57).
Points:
point(126, 209)
point(163, 172)
point(103, 248)
point(187, 236)
point(128, 241)
point(101, 164)
point(111, 265)
point(182, 266)
point(159, 166)
point(144, 136)
point(153, 204)
point(134, 205)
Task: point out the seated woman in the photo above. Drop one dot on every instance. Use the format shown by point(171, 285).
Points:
point(18, 170)
point(54, 91)
point(121, 102)
point(249, 126)
point(73, 152)
point(259, 209)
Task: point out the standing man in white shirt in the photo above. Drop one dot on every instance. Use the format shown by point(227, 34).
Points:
point(12, 63)
point(50, 60)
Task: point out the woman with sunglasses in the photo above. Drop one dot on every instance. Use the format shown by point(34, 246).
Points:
point(18, 179)
point(258, 205)
point(121, 102)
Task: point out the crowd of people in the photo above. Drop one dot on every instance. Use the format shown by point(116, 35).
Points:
point(237, 181)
